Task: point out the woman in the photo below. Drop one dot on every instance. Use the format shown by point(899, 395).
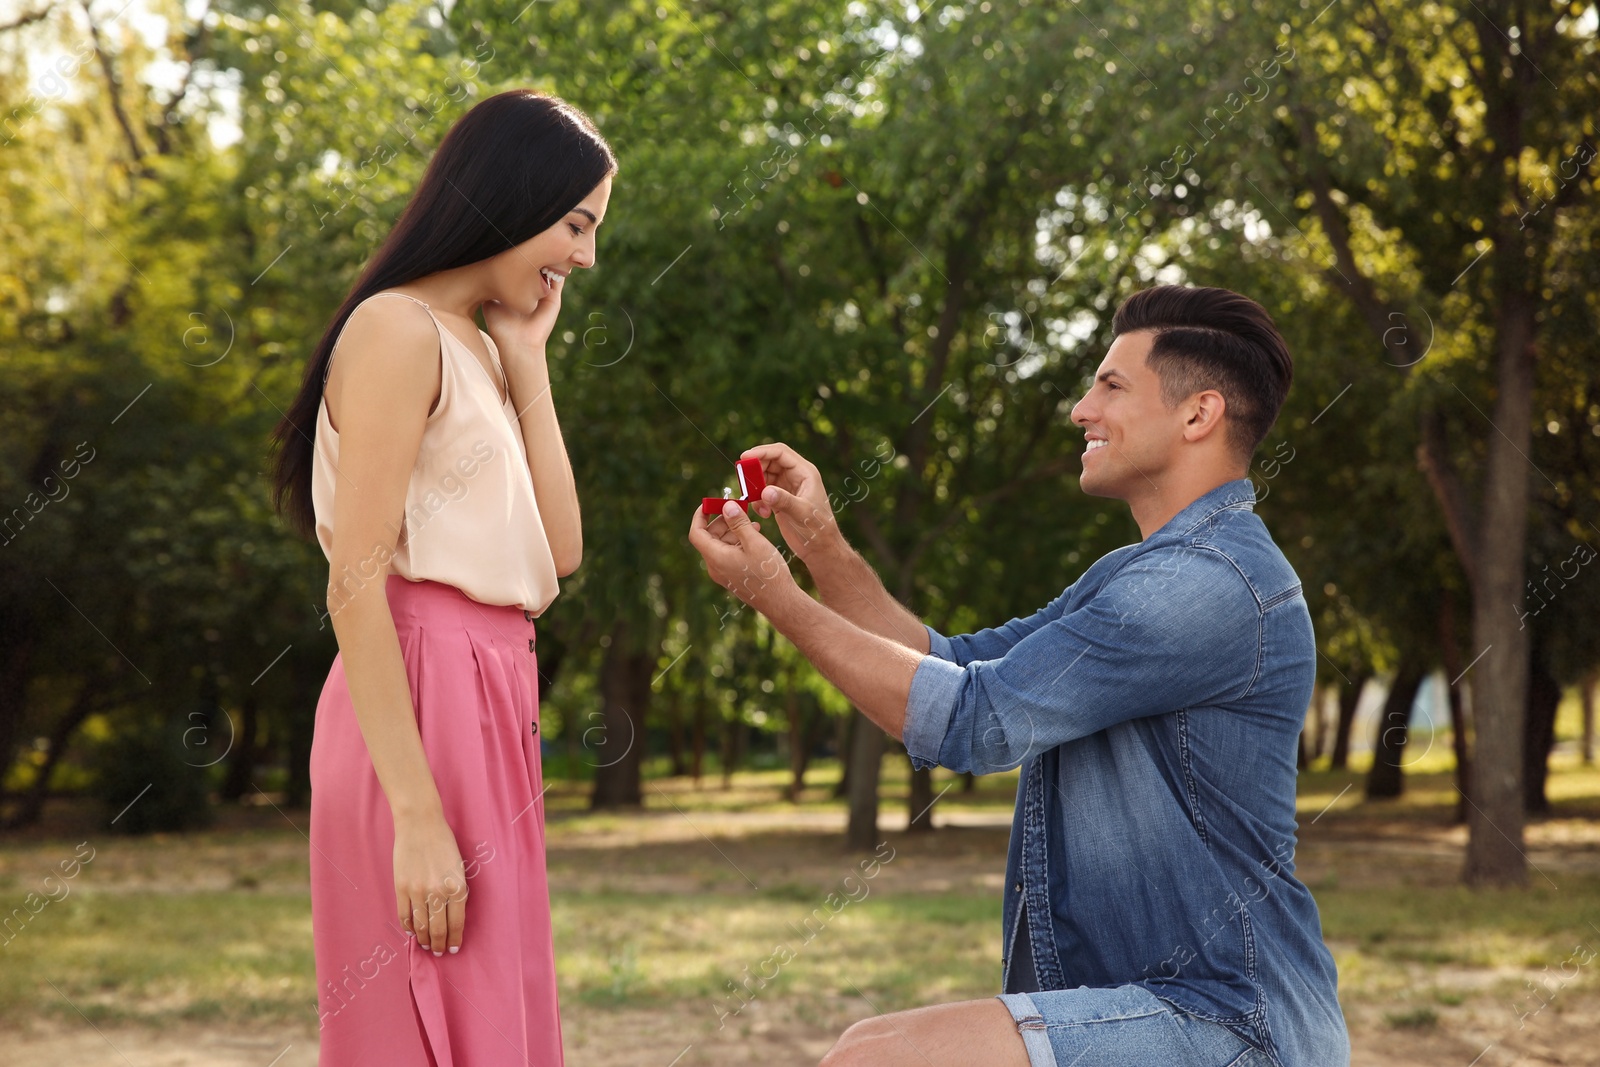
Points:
point(429, 461)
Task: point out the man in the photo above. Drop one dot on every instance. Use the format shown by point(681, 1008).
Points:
point(1152, 915)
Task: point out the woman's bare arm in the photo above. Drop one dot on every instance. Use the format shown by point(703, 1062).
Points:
point(553, 484)
point(385, 378)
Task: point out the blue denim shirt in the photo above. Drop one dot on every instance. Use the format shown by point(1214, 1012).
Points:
point(1155, 708)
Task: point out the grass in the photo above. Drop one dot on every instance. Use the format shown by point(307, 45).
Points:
point(711, 901)
point(163, 957)
point(1415, 1019)
point(691, 954)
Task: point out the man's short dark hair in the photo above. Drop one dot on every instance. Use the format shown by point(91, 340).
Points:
point(1209, 338)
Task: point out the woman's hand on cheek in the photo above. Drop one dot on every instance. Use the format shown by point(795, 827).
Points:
point(514, 330)
point(542, 323)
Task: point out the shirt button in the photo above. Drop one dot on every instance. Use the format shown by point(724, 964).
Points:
point(1018, 887)
point(530, 644)
point(535, 727)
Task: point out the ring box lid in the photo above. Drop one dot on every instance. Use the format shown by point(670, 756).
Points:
point(752, 479)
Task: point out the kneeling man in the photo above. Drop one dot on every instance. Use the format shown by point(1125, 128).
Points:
point(1152, 914)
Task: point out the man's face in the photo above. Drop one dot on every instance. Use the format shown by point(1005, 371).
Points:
point(1131, 434)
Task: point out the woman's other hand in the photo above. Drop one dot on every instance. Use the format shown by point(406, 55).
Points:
point(430, 882)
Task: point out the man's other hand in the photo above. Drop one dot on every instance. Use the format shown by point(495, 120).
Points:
point(796, 496)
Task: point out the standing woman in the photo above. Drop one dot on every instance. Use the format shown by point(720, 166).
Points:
point(429, 461)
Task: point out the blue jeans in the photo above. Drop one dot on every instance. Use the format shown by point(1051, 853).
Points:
point(1121, 1026)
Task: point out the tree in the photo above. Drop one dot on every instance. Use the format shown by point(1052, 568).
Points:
point(864, 269)
point(1482, 121)
point(1432, 166)
point(146, 573)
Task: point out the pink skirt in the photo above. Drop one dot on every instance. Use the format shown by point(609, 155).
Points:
point(381, 998)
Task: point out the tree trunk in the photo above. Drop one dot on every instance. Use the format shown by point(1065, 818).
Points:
point(919, 810)
point(572, 735)
point(1308, 730)
point(1586, 693)
point(797, 735)
point(1327, 714)
point(1500, 677)
point(844, 743)
point(242, 764)
point(1458, 741)
point(309, 675)
point(800, 737)
point(1316, 736)
point(1384, 781)
point(618, 746)
point(680, 765)
point(32, 806)
point(1450, 656)
point(550, 654)
point(19, 621)
point(1544, 696)
point(733, 729)
point(697, 741)
point(866, 755)
point(1349, 701)
point(16, 673)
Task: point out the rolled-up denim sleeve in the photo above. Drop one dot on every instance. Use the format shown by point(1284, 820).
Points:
point(1175, 628)
point(938, 644)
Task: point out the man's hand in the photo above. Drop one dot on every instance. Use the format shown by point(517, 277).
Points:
point(873, 672)
point(740, 559)
point(795, 495)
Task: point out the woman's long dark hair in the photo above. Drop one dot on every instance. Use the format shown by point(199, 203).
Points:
point(508, 170)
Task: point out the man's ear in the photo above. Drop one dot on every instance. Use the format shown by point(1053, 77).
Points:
point(1206, 411)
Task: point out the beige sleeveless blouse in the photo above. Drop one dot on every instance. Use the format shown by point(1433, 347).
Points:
point(470, 518)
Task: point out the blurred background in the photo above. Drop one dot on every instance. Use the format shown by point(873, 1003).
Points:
point(891, 235)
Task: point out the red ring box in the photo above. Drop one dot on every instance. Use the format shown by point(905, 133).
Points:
point(752, 479)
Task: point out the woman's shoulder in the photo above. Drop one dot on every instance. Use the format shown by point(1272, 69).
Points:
point(383, 323)
point(398, 293)
point(387, 348)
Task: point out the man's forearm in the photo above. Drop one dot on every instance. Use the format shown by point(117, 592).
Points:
point(852, 588)
point(872, 671)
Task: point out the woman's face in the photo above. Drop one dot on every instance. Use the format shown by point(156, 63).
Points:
point(523, 271)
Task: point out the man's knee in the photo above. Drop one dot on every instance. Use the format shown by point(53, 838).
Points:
point(865, 1043)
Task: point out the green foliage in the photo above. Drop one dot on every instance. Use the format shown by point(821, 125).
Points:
point(892, 237)
point(148, 779)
